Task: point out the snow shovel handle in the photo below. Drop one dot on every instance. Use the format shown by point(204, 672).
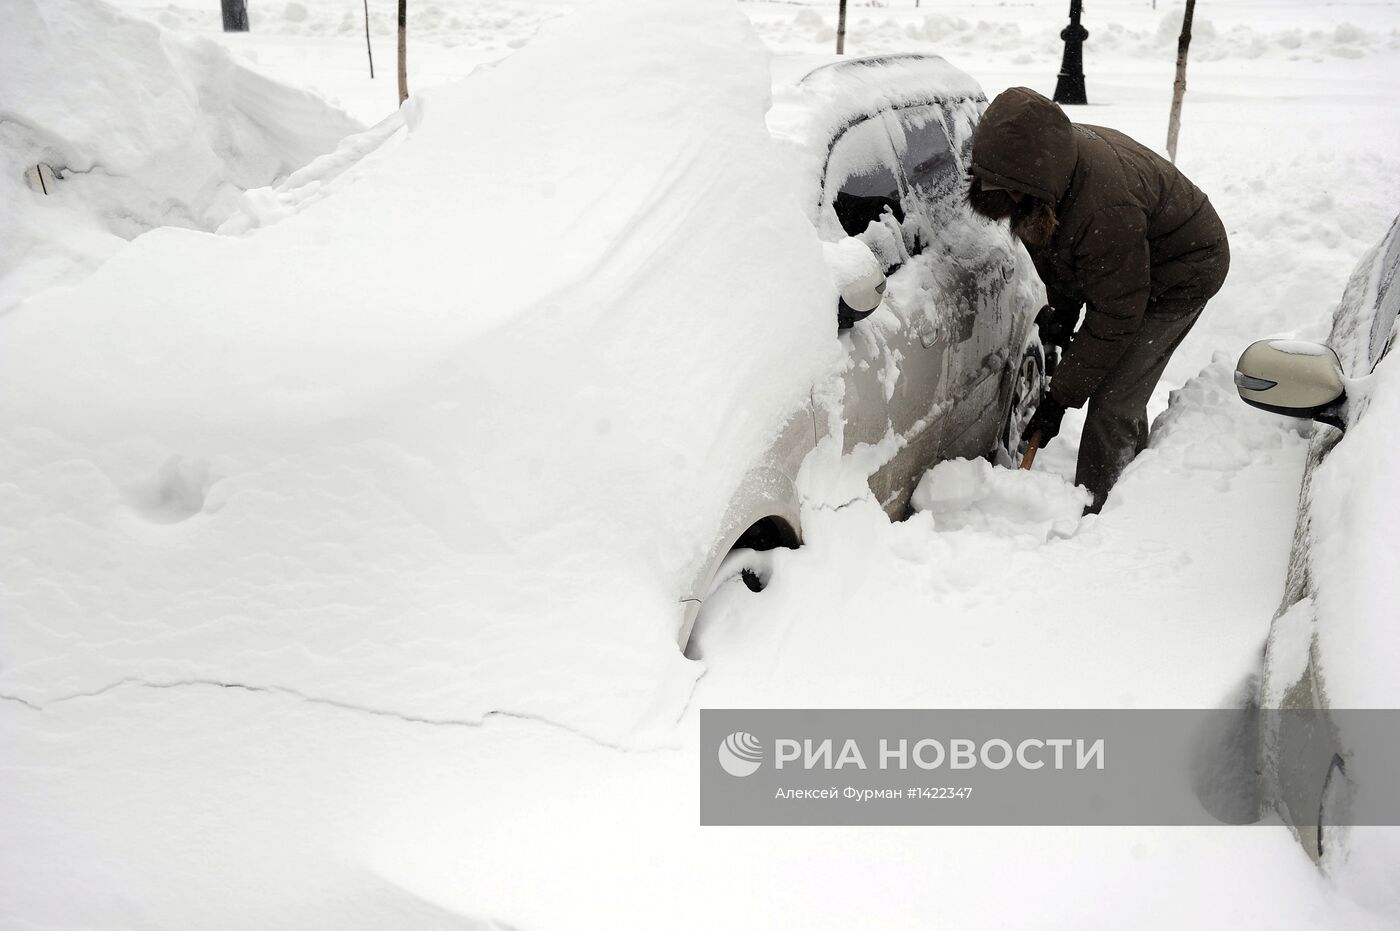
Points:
point(1031, 448)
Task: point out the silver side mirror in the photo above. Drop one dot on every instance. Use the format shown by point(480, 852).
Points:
point(858, 277)
point(1293, 378)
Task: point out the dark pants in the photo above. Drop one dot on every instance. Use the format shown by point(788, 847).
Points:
point(1115, 428)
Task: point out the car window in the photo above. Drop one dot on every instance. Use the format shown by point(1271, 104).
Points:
point(932, 171)
point(961, 117)
point(930, 166)
point(862, 187)
point(928, 159)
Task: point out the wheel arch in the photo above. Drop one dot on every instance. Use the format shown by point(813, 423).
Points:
point(766, 506)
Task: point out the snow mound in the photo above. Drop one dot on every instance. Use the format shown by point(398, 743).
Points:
point(482, 24)
point(1206, 428)
point(972, 494)
point(146, 128)
point(1033, 38)
point(447, 441)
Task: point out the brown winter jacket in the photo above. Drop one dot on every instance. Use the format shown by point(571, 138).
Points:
point(1134, 235)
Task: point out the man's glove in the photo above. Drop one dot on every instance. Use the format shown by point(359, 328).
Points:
point(1056, 330)
point(1046, 420)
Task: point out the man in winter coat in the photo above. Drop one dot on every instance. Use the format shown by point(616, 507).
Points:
point(1113, 227)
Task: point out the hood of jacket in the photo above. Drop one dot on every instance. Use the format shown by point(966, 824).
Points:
point(1025, 142)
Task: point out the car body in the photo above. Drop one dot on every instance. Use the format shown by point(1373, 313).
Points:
point(950, 365)
point(1328, 644)
point(517, 384)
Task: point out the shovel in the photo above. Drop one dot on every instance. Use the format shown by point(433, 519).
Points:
point(1031, 447)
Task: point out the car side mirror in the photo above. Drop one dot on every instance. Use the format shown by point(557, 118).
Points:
point(858, 277)
point(1293, 378)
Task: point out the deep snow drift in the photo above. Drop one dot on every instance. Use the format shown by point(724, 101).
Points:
point(180, 549)
point(145, 127)
point(479, 363)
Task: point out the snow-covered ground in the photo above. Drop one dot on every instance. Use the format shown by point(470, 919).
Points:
point(331, 789)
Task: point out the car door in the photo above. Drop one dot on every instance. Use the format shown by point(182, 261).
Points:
point(1387, 303)
point(894, 379)
point(965, 265)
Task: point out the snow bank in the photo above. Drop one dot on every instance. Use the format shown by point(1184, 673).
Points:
point(147, 129)
point(1034, 36)
point(1354, 549)
point(1355, 543)
point(446, 441)
point(486, 24)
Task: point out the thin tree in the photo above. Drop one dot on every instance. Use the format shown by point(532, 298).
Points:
point(403, 51)
point(1179, 89)
point(235, 15)
point(841, 29)
point(369, 49)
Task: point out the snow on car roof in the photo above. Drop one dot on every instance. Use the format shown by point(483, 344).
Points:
point(815, 96)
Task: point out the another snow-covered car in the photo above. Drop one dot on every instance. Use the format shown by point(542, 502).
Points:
point(950, 364)
point(1333, 643)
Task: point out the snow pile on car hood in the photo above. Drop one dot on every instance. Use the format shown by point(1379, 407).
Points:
point(444, 443)
point(146, 128)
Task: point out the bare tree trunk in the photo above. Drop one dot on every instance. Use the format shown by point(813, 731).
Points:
point(1179, 89)
point(403, 51)
point(841, 30)
point(235, 15)
point(369, 49)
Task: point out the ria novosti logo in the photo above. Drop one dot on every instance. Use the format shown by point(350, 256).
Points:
point(740, 754)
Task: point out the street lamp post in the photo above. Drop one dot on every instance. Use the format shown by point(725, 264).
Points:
point(235, 15)
point(1070, 86)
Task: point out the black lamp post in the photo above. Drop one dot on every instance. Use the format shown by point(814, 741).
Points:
point(1070, 87)
point(235, 15)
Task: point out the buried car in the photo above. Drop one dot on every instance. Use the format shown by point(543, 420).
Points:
point(1332, 645)
point(464, 417)
point(949, 364)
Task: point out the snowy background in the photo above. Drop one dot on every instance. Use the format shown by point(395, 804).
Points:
point(254, 671)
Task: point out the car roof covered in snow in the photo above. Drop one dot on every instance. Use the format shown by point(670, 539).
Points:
point(815, 97)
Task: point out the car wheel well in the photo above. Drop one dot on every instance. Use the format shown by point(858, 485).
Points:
point(1009, 441)
point(769, 533)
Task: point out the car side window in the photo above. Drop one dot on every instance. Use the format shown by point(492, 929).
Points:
point(931, 168)
point(863, 191)
point(932, 173)
point(929, 163)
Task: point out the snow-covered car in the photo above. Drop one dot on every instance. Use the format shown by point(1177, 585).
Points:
point(1333, 642)
point(950, 365)
point(463, 418)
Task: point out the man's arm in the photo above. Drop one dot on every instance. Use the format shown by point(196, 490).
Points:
point(1114, 268)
